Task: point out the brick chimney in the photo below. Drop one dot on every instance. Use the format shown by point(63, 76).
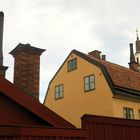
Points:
point(95, 53)
point(133, 65)
point(2, 68)
point(27, 68)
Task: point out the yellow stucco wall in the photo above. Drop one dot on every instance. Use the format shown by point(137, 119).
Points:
point(119, 104)
point(76, 102)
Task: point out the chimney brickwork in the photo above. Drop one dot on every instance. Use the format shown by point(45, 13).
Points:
point(95, 53)
point(27, 68)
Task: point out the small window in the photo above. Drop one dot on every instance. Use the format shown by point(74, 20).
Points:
point(139, 114)
point(89, 82)
point(128, 113)
point(72, 64)
point(59, 90)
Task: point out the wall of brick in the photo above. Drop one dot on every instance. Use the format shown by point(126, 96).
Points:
point(27, 69)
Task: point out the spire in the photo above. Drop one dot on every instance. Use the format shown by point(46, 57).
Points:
point(1, 37)
point(137, 43)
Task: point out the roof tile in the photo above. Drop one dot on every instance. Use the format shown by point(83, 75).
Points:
point(120, 75)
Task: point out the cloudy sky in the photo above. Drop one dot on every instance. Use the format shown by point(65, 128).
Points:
point(60, 26)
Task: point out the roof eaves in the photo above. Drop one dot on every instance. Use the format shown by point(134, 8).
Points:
point(127, 94)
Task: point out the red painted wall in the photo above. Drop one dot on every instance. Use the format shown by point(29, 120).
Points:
point(12, 113)
point(108, 128)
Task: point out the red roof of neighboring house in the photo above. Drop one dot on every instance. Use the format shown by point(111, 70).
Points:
point(119, 76)
point(32, 105)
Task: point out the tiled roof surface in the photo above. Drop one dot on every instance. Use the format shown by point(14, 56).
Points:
point(121, 76)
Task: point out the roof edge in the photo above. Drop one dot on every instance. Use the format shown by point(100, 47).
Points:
point(127, 94)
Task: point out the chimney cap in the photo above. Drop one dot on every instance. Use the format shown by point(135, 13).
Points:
point(1, 14)
point(26, 48)
point(95, 53)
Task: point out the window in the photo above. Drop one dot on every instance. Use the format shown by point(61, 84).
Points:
point(72, 64)
point(139, 114)
point(59, 90)
point(89, 82)
point(128, 113)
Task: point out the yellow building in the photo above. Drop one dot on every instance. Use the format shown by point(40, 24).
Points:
point(88, 84)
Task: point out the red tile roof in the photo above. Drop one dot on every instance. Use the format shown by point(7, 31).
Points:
point(120, 75)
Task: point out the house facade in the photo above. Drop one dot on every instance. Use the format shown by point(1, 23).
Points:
point(88, 84)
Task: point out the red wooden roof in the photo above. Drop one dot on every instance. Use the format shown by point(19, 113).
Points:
point(32, 105)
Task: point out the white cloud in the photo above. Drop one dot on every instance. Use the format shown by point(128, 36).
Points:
point(62, 25)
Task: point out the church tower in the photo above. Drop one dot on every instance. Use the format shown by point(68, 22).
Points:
point(137, 54)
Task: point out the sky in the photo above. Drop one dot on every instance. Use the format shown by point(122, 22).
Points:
point(59, 26)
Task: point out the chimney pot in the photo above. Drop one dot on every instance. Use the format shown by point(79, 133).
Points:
point(104, 57)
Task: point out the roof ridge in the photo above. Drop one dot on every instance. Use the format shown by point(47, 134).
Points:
point(101, 61)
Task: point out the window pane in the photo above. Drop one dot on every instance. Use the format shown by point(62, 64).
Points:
point(72, 64)
point(59, 91)
point(131, 114)
point(124, 113)
point(86, 80)
point(92, 78)
point(128, 113)
point(86, 87)
point(61, 88)
point(56, 89)
point(91, 85)
point(56, 95)
point(89, 82)
point(61, 94)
